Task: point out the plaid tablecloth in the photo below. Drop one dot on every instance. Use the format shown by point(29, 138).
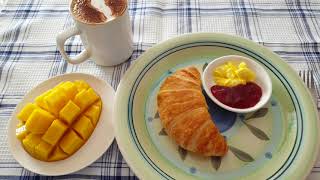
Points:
point(28, 53)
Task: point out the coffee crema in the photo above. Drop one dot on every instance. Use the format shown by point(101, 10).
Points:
point(98, 11)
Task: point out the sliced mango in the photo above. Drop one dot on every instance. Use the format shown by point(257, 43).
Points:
point(83, 127)
point(56, 100)
point(69, 112)
point(93, 113)
point(30, 142)
point(70, 89)
point(60, 120)
point(40, 100)
point(58, 154)
point(39, 121)
point(81, 85)
point(42, 150)
point(85, 98)
point(26, 111)
point(55, 132)
point(98, 103)
point(71, 142)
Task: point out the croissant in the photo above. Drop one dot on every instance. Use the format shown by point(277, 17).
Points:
point(184, 114)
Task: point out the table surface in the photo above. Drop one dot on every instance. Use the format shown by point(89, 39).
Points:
point(28, 53)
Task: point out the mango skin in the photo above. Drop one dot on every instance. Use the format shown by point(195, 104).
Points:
point(60, 121)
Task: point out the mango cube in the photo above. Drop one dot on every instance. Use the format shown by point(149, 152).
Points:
point(69, 112)
point(42, 150)
point(57, 154)
point(83, 127)
point(92, 95)
point(79, 99)
point(55, 132)
point(40, 100)
point(85, 98)
point(26, 111)
point(93, 113)
point(56, 100)
point(71, 142)
point(81, 85)
point(70, 89)
point(39, 121)
point(30, 142)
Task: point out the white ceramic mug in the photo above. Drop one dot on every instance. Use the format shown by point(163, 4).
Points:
point(107, 44)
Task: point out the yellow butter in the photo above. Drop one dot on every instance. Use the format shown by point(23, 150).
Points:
point(231, 75)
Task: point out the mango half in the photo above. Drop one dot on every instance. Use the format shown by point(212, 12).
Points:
point(59, 121)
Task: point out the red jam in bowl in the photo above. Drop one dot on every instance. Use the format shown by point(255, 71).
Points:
point(240, 96)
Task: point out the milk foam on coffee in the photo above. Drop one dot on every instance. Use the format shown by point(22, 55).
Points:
point(98, 11)
point(103, 8)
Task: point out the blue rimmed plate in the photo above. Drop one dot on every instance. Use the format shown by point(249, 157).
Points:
point(280, 140)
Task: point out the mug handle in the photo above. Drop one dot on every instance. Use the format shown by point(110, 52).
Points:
point(61, 39)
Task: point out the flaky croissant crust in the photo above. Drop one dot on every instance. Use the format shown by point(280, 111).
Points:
point(184, 114)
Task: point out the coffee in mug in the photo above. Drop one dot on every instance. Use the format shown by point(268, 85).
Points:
point(105, 31)
point(98, 11)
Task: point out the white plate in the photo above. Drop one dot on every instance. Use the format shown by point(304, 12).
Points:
point(96, 145)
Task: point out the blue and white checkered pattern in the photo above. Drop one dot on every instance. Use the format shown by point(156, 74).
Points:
point(28, 53)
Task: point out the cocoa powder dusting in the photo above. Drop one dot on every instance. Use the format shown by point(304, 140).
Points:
point(84, 11)
point(117, 6)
